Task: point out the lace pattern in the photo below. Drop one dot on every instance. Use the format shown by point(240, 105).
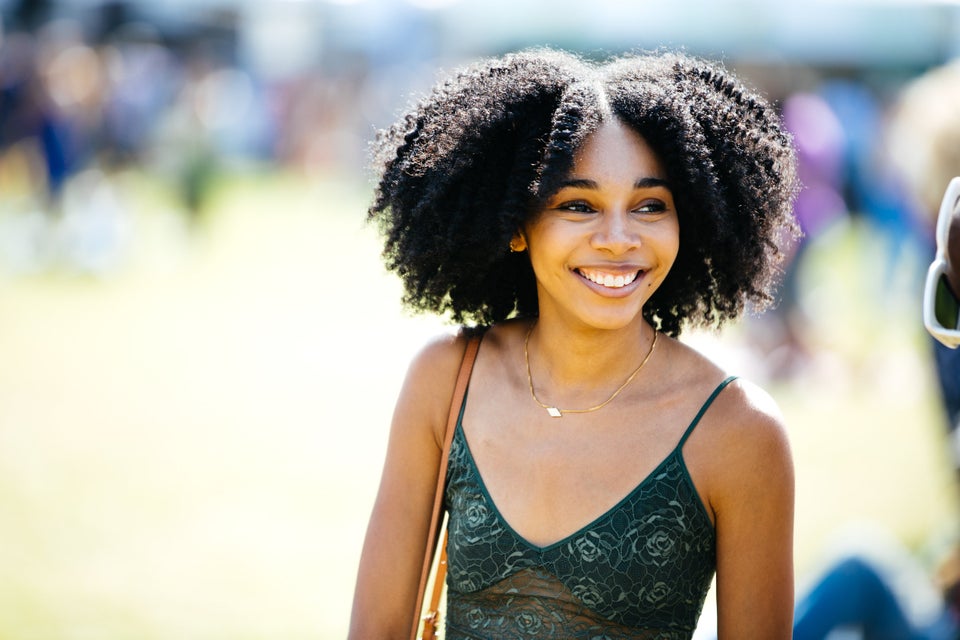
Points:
point(641, 570)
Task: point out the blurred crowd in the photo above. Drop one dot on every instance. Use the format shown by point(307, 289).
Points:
point(92, 92)
point(83, 100)
point(89, 92)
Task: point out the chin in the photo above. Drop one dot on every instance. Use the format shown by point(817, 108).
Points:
point(614, 322)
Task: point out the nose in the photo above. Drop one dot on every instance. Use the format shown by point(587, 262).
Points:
point(615, 233)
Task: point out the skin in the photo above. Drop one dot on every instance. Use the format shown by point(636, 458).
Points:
point(953, 252)
point(616, 216)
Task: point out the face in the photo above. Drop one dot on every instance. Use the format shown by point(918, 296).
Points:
point(606, 240)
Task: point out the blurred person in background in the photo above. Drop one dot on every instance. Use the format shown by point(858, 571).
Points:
point(856, 592)
point(942, 294)
point(923, 143)
point(34, 134)
point(882, 600)
point(586, 214)
point(860, 593)
point(86, 96)
point(818, 137)
point(62, 108)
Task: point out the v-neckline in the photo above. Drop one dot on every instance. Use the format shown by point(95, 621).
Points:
point(594, 522)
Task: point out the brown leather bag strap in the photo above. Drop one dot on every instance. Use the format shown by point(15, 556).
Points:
point(433, 533)
point(432, 615)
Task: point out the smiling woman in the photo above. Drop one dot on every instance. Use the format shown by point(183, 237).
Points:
point(600, 471)
point(613, 224)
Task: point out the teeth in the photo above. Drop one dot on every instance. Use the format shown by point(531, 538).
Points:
point(608, 279)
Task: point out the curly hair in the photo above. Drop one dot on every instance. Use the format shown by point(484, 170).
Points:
point(471, 163)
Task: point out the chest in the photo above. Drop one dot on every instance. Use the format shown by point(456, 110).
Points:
point(549, 477)
point(656, 540)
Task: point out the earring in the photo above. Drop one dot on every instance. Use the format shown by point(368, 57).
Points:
point(517, 245)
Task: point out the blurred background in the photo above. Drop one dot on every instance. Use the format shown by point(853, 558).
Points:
point(199, 347)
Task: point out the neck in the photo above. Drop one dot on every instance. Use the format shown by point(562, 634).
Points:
point(568, 363)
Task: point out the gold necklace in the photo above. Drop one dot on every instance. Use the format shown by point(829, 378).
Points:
point(557, 412)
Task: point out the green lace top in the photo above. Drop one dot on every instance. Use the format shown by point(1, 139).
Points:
point(641, 570)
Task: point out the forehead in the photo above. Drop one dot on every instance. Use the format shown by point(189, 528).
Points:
point(616, 152)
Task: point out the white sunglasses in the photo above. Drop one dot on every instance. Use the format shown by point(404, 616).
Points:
point(940, 309)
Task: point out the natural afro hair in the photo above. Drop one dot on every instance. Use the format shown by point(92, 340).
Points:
point(470, 164)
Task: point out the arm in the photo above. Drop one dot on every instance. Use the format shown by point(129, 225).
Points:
point(393, 549)
point(753, 505)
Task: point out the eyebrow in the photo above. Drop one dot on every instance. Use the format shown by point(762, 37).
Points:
point(642, 183)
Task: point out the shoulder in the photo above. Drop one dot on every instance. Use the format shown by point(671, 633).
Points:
point(746, 425)
point(750, 456)
point(741, 443)
point(741, 411)
point(430, 380)
point(752, 498)
point(742, 419)
point(438, 357)
point(743, 401)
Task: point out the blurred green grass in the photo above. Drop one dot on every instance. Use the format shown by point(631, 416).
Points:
point(190, 444)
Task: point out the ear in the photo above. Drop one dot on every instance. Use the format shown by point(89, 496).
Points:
point(518, 243)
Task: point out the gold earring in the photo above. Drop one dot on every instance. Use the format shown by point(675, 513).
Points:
point(517, 245)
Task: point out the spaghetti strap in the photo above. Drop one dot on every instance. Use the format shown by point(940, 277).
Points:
point(471, 333)
point(463, 406)
point(703, 409)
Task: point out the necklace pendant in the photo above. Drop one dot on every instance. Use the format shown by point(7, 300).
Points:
point(554, 412)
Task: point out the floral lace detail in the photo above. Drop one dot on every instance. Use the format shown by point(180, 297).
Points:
point(641, 570)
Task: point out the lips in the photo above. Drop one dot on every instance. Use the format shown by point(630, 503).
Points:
point(609, 279)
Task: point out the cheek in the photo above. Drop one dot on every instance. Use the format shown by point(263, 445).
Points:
point(546, 245)
point(668, 242)
point(674, 248)
point(545, 265)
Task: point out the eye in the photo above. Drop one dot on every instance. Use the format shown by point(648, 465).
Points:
point(651, 206)
point(576, 206)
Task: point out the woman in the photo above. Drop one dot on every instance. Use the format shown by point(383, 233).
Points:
point(601, 470)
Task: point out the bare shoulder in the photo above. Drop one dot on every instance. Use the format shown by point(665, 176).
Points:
point(740, 449)
point(741, 422)
point(430, 381)
point(747, 419)
point(749, 447)
point(439, 357)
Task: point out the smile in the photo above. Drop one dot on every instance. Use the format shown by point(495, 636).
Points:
point(611, 280)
